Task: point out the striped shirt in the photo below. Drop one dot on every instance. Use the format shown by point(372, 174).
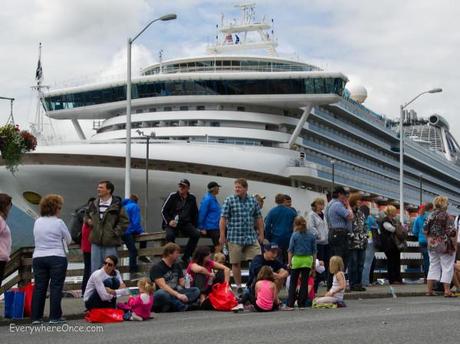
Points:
point(241, 215)
point(103, 206)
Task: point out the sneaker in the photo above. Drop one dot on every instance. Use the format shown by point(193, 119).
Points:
point(57, 321)
point(238, 308)
point(136, 275)
point(135, 317)
point(284, 307)
point(37, 322)
point(145, 259)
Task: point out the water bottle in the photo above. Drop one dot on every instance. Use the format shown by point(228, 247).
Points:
point(187, 280)
point(392, 292)
point(176, 218)
point(225, 250)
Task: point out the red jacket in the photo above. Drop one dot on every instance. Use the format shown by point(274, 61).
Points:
point(85, 243)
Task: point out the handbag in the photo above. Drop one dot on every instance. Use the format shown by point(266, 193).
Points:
point(437, 244)
point(399, 238)
point(104, 315)
point(222, 298)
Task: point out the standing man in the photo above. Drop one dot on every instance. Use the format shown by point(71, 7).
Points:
point(180, 214)
point(278, 226)
point(209, 215)
point(135, 228)
point(109, 222)
point(339, 217)
point(240, 216)
point(417, 230)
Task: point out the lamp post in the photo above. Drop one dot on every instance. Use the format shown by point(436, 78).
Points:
point(401, 151)
point(421, 188)
point(128, 104)
point(147, 155)
point(333, 175)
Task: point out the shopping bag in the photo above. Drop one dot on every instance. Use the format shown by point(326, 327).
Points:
point(104, 315)
point(222, 298)
point(14, 304)
point(28, 290)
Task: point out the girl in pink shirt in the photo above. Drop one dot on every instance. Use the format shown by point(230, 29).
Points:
point(265, 291)
point(139, 307)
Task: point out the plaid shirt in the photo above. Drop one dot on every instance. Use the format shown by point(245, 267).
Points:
point(241, 215)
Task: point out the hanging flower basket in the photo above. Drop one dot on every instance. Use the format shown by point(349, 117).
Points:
point(13, 144)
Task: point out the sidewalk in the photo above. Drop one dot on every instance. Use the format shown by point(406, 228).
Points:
point(73, 308)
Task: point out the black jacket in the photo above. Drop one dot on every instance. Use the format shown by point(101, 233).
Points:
point(174, 205)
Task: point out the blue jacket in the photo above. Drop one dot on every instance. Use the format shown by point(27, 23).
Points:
point(209, 213)
point(417, 228)
point(302, 244)
point(133, 211)
point(278, 225)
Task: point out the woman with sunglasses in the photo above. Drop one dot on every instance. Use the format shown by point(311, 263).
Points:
point(102, 285)
point(49, 260)
point(5, 234)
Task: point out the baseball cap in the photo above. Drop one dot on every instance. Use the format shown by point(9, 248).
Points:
point(271, 246)
point(341, 190)
point(184, 182)
point(212, 185)
point(259, 196)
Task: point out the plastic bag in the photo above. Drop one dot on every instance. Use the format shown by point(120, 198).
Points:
point(28, 290)
point(104, 315)
point(222, 298)
point(14, 304)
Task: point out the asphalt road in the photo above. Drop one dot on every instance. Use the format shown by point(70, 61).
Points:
point(402, 320)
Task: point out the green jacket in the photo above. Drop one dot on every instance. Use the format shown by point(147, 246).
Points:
point(108, 230)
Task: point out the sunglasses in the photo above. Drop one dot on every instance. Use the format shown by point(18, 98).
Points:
point(109, 264)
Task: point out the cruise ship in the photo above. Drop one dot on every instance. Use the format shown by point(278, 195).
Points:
point(286, 126)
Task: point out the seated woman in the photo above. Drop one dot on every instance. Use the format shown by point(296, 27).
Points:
point(102, 285)
point(201, 272)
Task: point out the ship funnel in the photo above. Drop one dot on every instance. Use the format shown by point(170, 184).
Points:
point(439, 121)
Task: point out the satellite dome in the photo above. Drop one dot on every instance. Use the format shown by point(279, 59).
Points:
point(358, 93)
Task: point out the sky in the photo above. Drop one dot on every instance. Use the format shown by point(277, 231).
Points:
point(396, 49)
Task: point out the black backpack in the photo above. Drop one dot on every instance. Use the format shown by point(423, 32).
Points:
point(76, 222)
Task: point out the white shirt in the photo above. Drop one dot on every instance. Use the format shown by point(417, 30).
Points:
point(50, 234)
point(103, 206)
point(96, 283)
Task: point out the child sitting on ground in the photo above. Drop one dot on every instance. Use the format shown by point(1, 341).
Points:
point(335, 295)
point(139, 307)
point(265, 291)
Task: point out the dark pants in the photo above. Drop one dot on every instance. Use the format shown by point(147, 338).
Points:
point(201, 282)
point(426, 258)
point(322, 253)
point(214, 235)
point(2, 271)
point(132, 250)
point(86, 271)
point(393, 265)
point(48, 270)
point(303, 290)
point(338, 246)
point(95, 301)
point(165, 302)
point(355, 267)
point(188, 230)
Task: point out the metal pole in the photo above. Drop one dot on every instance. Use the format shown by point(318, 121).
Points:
point(421, 189)
point(401, 166)
point(147, 184)
point(333, 175)
point(128, 125)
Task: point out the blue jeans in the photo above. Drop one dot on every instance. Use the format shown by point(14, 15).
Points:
point(426, 258)
point(165, 302)
point(95, 300)
point(369, 257)
point(48, 270)
point(355, 267)
point(131, 245)
point(98, 254)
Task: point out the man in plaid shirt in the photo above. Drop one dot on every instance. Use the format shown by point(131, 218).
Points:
point(241, 217)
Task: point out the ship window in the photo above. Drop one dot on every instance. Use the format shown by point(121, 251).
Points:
point(183, 108)
point(139, 111)
point(200, 107)
point(240, 108)
point(214, 124)
point(167, 108)
point(152, 110)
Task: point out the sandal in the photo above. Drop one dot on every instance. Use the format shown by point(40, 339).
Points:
point(450, 295)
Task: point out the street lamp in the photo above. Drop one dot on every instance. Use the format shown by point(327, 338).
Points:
point(128, 104)
point(401, 151)
point(421, 188)
point(333, 175)
point(147, 146)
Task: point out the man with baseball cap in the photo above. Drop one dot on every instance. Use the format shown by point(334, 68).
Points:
point(180, 214)
point(209, 215)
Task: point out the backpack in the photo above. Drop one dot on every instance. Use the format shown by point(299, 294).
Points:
point(76, 223)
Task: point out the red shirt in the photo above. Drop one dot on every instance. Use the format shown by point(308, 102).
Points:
point(85, 244)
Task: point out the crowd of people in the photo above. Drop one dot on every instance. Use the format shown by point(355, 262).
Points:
point(332, 244)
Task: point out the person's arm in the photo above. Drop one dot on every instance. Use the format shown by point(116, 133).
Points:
point(226, 270)
point(122, 223)
point(291, 249)
point(136, 217)
point(198, 269)
point(389, 227)
point(257, 288)
point(349, 215)
point(65, 232)
point(268, 225)
point(102, 290)
point(222, 227)
point(312, 225)
point(260, 228)
point(166, 211)
point(282, 273)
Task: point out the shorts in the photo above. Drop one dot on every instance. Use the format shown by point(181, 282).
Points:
point(239, 253)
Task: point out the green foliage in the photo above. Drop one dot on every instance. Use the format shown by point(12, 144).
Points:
point(13, 144)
